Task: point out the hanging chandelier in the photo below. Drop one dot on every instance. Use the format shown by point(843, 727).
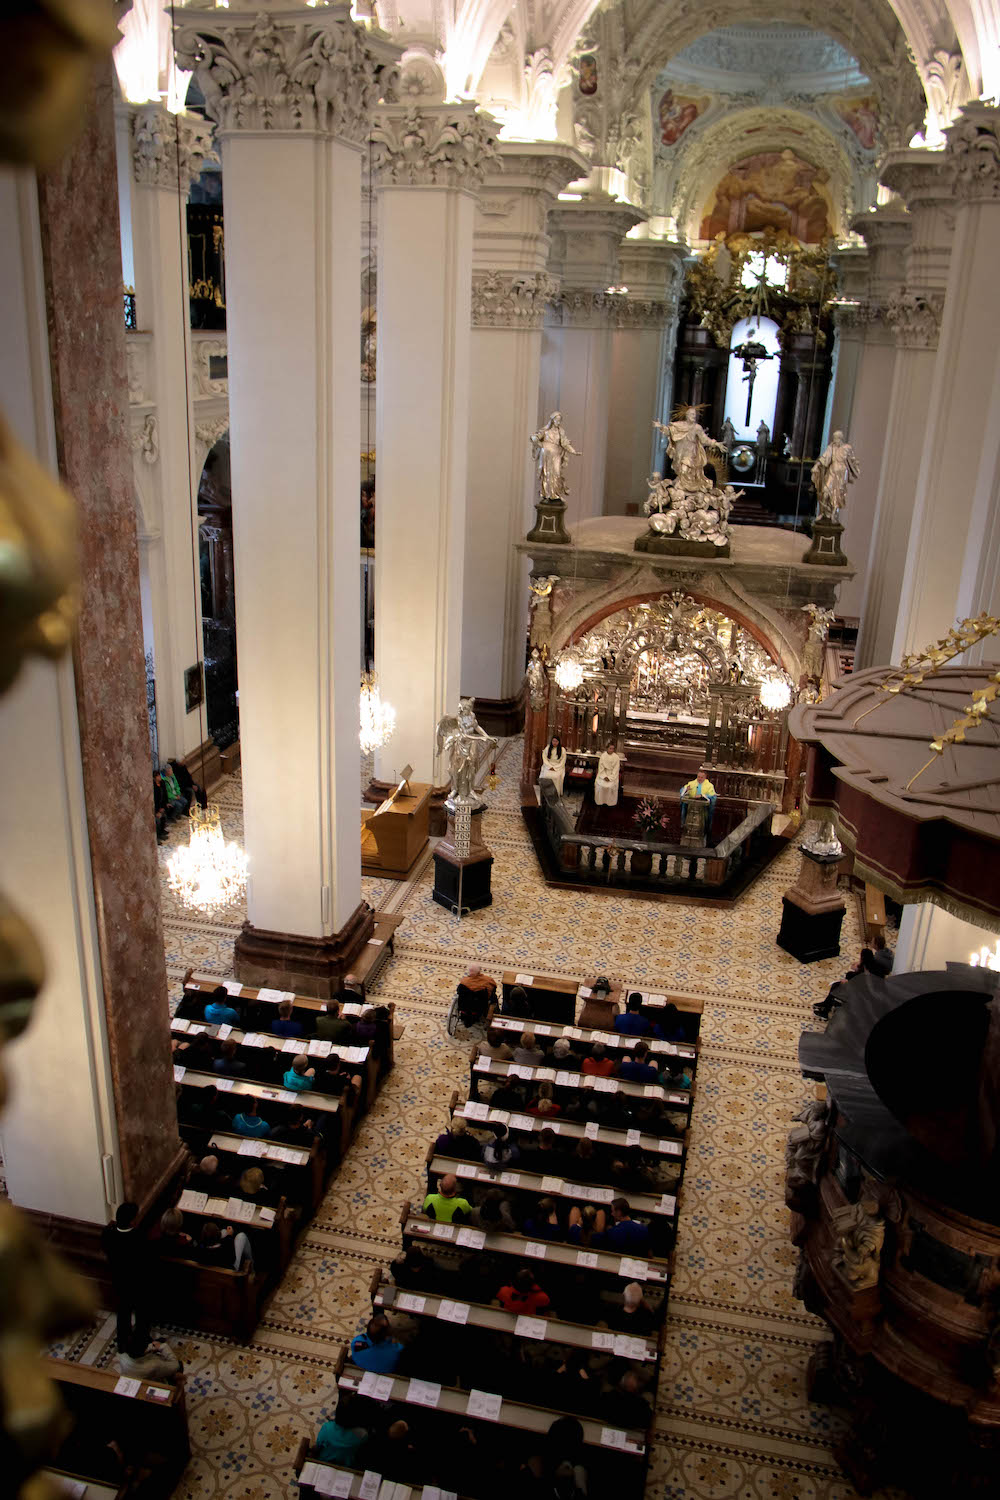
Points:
point(378, 719)
point(569, 671)
point(207, 872)
point(775, 693)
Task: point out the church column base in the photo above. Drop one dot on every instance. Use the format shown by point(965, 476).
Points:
point(306, 965)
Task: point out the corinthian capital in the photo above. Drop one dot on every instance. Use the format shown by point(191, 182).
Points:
point(169, 151)
point(915, 318)
point(974, 152)
point(311, 70)
point(435, 145)
point(503, 299)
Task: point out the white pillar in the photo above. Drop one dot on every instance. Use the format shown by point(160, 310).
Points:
point(576, 377)
point(886, 233)
point(430, 162)
point(642, 342)
point(167, 152)
point(922, 179)
point(929, 938)
point(292, 168)
point(953, 534)
point(510, 290)
point(851, 264)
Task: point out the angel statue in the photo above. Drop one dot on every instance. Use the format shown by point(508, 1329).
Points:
point(462, 738)
point(689, 448)
point(832, 472)
point(550, 446)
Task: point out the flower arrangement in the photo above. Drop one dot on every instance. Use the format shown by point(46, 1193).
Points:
point(650, 817)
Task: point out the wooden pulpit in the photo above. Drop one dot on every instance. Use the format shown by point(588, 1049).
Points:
point(394, 835)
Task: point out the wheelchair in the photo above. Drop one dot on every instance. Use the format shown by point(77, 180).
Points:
point(469, 1010)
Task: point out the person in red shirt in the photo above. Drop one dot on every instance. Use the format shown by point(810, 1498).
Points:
point(524, 1296)
point(544, 1104)
point(598, 1062)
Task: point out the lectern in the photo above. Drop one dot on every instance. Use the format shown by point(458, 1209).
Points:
point(394, 836)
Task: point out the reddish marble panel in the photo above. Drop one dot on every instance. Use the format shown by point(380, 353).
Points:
point(78, 202)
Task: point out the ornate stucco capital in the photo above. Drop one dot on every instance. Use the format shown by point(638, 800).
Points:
point(915, 318)
point(973, 151)
point(434, 145)
point(313, 71)
point(169, 151)
point(504, 299)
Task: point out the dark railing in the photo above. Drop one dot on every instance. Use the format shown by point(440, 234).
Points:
point(129, 297)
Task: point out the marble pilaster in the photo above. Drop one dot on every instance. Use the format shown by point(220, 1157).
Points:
point(511, 288)
point(952, 557)
point(913, 312)
point(577, 342)
point(430, 161)
point(91, 839)
point(292, 94)
point(167, 152)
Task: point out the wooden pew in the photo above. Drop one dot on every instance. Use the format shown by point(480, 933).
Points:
point(287, 1162)
point(480, 1117)
point(318, 1478)
point(337, 1114)
point(567, 1258)
point(495, 1320)
point(549, 999)
point(148, 1418)
point(251, 1044)
point(212, 1298)
point(491, 1067)
point(613, 1041)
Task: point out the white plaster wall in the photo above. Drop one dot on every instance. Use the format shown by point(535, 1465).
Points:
point(584, 386)
point(293, 246)
point(422, 404)
point(866, 432)
point(58, 1124)
point(929, 938)
point(636, 356)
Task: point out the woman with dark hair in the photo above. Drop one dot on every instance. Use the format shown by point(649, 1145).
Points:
point(554, 764)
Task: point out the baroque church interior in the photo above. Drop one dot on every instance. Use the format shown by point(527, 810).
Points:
point(500, 602)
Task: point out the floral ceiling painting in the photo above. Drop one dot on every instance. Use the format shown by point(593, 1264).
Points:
point(771, 190)
point(677, 112)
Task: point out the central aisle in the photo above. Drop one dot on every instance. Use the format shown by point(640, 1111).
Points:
point(732, 1418)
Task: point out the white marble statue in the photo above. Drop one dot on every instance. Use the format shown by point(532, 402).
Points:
point(464, 741)
point(688, 448)
point(551, 447)
point(832, 472)
point(690, 506)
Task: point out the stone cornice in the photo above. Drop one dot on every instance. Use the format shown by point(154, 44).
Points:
point(503, 299)
point(919, 177)
point(169, 151)
point(547, 166)
point(434, 145)
point(915, 318)
point(316, 72)
point(582, 307)
point(973, 151)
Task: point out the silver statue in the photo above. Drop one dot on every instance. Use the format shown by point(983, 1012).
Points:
point(762, 445)
point(538, 688)
point(728, 438)
point(690, 506)
point(551, 446)
point(822, 839)
point(832, 472)
point(463, 740)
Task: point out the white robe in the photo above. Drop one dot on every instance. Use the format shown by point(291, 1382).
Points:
point(606, 780)
point(553, 768)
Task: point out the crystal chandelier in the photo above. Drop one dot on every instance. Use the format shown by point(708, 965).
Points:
point(775, 693)
point(569, 672)
point(207, 872)
point(378, 719)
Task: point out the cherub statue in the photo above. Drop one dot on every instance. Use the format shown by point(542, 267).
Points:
point(832, 472)
point(860, 1237)
point(551, 447)
point(462, 738)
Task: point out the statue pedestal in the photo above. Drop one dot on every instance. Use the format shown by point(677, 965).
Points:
point(549, 523)
point(463, 865)
point(813, 910)
point(826, 547)
point(678, 546)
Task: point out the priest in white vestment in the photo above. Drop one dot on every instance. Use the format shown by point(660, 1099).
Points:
point(554, 764)
point(606, 780)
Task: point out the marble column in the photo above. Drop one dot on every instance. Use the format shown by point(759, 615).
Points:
point(642, 346)
point(510, 290)
point(430, 161)
point(886, 233)
point(167, 153)
point(577, 341)
point(951, 560)
point(913, 312)
point(91, 1118)
point(292, 156)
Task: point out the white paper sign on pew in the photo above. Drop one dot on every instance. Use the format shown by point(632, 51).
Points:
point(273, 997)
point(612, 1437)
point(431, 1492)
point(126, 1387)
point(370, 1485)
point(409, 1302)
point(378, 1387)
point(592, 1130)
point(530, 1328)
point(232, 987)
point(327, 1481)
point(453, 1312)
point(475, 1239)
point(524, 978)
point(192, 1203)
point(424, 1392)
point(635, 1270)
point(484, 1404)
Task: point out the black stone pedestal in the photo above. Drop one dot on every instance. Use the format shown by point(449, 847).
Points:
point(462, 885)
point(809, 936)
point(826, 546)
point(550, 523)
point(677, 546)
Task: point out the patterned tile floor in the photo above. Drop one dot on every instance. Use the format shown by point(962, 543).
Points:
point(732, 1418)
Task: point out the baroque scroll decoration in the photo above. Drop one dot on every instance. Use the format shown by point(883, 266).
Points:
point(501, 299)
point(318, 75)
point(445, 145)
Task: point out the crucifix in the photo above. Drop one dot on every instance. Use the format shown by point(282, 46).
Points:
point(751, 354)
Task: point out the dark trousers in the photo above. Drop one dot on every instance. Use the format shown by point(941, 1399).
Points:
point(133, 1328)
